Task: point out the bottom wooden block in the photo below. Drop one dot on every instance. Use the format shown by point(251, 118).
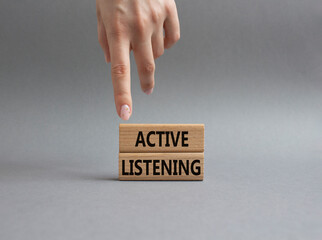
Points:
point(161, 166)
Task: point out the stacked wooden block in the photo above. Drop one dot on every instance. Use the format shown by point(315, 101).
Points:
point(161, 151)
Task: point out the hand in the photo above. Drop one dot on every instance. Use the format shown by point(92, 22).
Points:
point(125, 25)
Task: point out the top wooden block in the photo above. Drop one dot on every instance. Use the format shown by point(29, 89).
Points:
point(161, 138)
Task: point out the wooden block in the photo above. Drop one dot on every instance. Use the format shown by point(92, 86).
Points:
point(161, 138)
point(161, 166)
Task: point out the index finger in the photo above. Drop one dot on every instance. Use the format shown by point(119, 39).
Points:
point(120, 71)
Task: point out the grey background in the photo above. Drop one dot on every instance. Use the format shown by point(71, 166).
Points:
point(250, 70)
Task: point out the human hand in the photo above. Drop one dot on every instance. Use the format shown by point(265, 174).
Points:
point(125, 25)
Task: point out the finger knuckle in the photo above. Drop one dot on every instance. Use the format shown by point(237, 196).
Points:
point(119, 70)
point(169, 6)
point(140, 25)
point(156, 16)
point(117, 30)
point(171, 40)
point(176, 37)
point(148, 68)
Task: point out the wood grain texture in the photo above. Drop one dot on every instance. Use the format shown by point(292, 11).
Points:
point(174, 138)
point(161, 166)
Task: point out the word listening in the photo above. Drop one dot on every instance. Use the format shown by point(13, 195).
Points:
point(161, 167)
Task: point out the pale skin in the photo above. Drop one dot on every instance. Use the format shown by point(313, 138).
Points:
point(146, 27)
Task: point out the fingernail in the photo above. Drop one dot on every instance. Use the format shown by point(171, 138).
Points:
point(125, 112)
point(106, 58)
point(149, 91)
